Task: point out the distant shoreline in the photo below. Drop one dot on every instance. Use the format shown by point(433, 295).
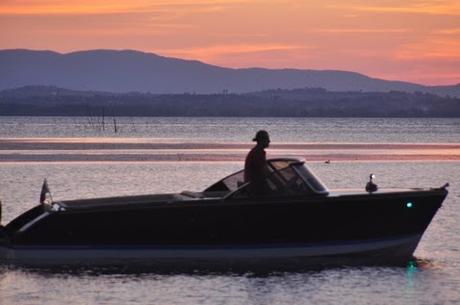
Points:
point(240, 116)
point(303, 102)
point(148, 150)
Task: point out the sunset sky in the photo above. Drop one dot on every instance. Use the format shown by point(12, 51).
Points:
point(411, 40)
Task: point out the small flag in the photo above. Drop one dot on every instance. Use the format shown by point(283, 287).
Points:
point(44, 192)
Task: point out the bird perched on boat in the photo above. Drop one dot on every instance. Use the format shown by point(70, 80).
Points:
point(371, 186)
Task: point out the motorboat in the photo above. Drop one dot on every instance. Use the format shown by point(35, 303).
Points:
point(298, 223)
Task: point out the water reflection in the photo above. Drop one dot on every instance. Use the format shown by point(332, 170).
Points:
point(359, 285)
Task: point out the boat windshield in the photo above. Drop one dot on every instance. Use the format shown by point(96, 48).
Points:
point(287, 176)
point(295, 177)
point(229, 183)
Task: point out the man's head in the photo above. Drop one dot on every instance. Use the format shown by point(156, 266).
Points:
point(262, 138)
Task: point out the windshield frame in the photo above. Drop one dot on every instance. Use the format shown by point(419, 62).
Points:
point(313, 184)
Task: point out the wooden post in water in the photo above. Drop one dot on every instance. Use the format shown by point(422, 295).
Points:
point(103, 118)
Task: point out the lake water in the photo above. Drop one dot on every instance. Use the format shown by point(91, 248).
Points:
point(353, 130)
point(434, 280)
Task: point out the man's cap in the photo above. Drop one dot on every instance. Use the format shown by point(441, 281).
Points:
point(260, 135)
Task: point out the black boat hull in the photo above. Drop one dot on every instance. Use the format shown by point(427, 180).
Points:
point(392, 251)
point(347, 229)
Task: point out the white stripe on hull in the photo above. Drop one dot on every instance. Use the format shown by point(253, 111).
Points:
point(52, 255)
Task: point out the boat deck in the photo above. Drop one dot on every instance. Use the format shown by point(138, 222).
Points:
point(138, 200)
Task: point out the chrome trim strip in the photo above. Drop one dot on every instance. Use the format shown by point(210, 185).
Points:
point(31, 223)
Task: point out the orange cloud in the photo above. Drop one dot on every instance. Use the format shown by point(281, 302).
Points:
point(214, 51)
point(455, 31)
point(430, 49)
point(414, 7)
point(50, 7)
point(360, 30)
point(66, 7)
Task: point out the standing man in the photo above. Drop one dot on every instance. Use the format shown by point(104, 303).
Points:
point(255, 167)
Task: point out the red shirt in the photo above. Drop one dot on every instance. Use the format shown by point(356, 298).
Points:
point(255, 165)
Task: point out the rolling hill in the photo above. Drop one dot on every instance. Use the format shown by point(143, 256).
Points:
point(133, 71)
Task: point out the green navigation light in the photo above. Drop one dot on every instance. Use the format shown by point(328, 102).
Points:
point(409, 204)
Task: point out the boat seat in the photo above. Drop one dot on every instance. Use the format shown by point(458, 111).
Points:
point(192, 194)
point(204, 195)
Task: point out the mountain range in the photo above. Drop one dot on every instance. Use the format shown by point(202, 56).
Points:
point(134, 71)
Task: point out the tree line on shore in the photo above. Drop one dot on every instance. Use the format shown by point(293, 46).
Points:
point(304, 102)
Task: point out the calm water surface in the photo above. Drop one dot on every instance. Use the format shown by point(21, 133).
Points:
point(435, 280)
point(370, 130)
